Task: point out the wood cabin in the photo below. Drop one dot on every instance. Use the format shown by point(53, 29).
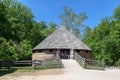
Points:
point(61, 43)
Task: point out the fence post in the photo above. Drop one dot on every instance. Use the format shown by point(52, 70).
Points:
point(103, 64)
point(85, 64)
point(0, 64)
point(8, 65)
point(34, 64)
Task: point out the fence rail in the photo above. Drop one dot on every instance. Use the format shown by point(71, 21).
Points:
point(60, 62)
point(8, 64)
point(34, 63)
point(5, 64)
point(89, 64)
point(95, 64)
point(80, 60)
point(29, 62)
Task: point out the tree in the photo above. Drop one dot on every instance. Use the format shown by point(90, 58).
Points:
point(16, 22)
point(4, 50)
point(17, 19)
point(116, 13)
point(53, 25)
point(25, 48)
point(39, 32)
point(104, 40)
point(86, 35)
point(19, 31)
point(72, 21)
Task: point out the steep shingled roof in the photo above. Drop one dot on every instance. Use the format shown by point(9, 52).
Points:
point(61, 39)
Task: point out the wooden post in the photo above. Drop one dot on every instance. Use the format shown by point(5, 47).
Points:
point(8, 65)
point(0, 60)
point(85, 64)
point(71, 54)
point(103, 64)
point(58, 54)
point(0, 64)
point(58, 57)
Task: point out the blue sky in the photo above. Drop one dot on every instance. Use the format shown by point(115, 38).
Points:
point(49, 10)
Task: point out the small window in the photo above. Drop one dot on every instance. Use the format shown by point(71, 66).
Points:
point(50, 50)
point(37, 51)
point(87, 51)
point(40, 51)
point(33, 51)
point(78, 51)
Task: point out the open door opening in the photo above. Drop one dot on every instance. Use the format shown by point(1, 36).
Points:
point(64, 54)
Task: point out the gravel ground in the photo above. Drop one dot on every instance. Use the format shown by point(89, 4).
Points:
point(72, 71)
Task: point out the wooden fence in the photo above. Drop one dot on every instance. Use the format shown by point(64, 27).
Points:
point(5, 64)
point(29, 63)
point(80, 60)
point(89, 64)
point(95, 64)
point(22, 63)
point(60, 62)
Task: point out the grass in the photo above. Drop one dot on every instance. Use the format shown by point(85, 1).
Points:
point(6, 71)
point(50, 65)
point(95, 67)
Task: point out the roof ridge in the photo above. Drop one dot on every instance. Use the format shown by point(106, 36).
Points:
point(61, 38)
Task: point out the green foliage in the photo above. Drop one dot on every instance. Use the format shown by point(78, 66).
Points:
point(116, 14)
point(73, 21)
point(53, 25)
point(19, 32)
point(104, 39)
point(9, 50)
point(25, 49)
point(4, 50)
point(39, 32)
point(17, 20)
point(118, 63)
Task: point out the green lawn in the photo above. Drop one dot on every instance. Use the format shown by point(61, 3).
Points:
point(95, 67)
point(50, 65)
point(6, 71)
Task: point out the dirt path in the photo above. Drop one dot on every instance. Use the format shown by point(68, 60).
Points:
point(72, 71)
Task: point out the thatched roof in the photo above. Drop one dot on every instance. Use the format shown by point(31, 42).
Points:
point(61, 39)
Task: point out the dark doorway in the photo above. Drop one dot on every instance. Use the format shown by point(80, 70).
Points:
point(65, 54)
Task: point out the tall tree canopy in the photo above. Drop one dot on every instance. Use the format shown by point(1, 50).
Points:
point(18, 30)
point(72, 21)
point(104, 39)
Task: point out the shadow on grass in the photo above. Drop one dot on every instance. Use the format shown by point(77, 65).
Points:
point(6, 71)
